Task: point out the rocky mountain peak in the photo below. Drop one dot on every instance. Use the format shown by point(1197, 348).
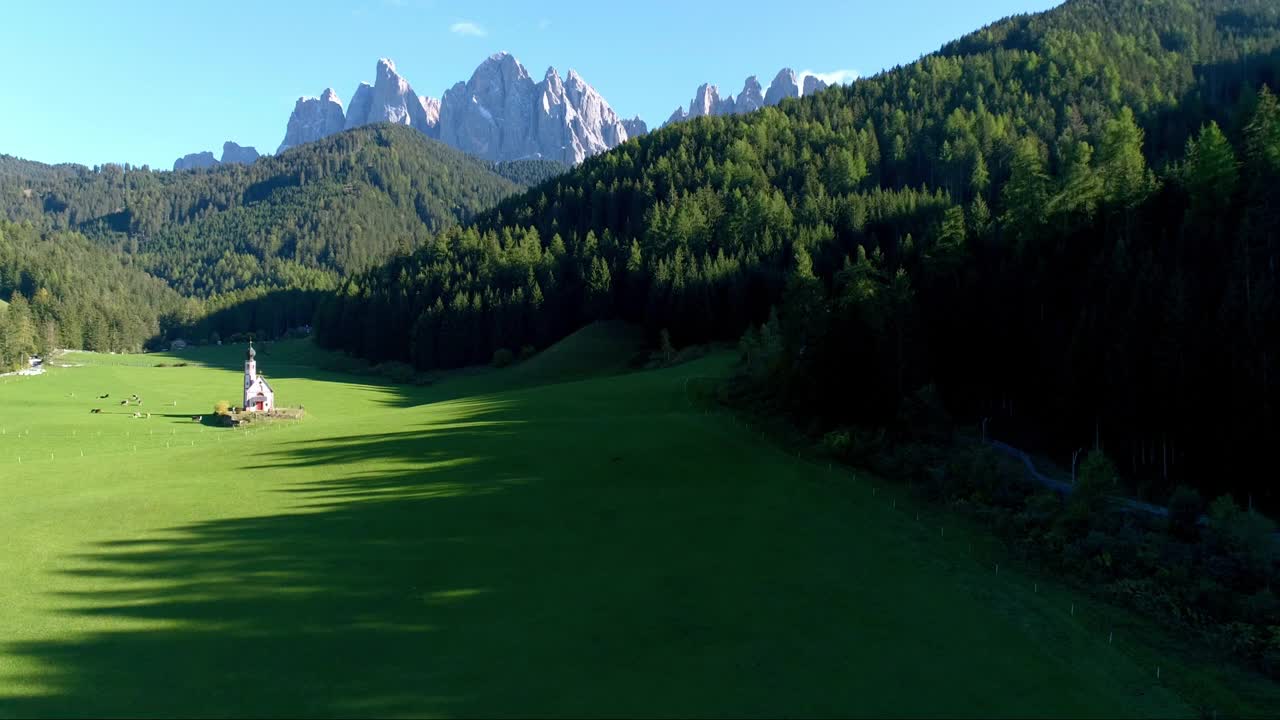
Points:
point(813, 85)
point(314, 118)
point(707, 99)
point(784, 86)
point(635, 127)
point(233, 153)
point(500, 113)
point(193, 161)
point(751, 98)
point(391, 99)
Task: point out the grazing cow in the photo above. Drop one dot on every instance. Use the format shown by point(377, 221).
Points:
point(104, 397)
point(124, 402)
point(137, 414)
point(95, 411)
point(148, 416)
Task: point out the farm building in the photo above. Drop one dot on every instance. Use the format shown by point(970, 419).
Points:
point(258, 395)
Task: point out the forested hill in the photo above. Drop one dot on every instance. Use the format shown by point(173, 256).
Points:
point(62, 290)
point(1064, 221)
point(297, 220)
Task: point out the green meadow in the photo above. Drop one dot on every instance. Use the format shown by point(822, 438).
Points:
point(564, 538)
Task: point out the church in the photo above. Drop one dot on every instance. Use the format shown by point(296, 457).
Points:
point(258, 395)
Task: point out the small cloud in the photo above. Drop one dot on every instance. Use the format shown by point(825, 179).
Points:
point(543, 24)
point(467, 28)
point(835, 77)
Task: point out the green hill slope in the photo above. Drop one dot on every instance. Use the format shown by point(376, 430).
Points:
point(297, 220)
point(68, 292)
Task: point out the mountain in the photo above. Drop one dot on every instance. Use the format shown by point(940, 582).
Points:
point(635, 127)
point(231, 153)
point(391, 99)
point(499, 114)
point(708, 102)
point(314, 118)
point(195, 161)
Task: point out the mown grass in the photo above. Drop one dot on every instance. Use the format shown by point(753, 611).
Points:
point(504, 543)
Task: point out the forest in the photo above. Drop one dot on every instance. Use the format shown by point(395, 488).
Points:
point(63, 291)
point(238, 249)
point(299, 220)
point(1065, 222)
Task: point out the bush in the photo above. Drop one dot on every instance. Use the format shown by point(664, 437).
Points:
point(222, 407)
point(1097, 479)
point(527, 352)
point(397, 372)
point(1246, 535)
point(922, 416)
point(836, 443)
point(502, 357)
point(666, 349)
point(1185, 507)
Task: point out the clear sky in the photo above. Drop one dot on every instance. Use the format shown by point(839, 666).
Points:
point(146, 81)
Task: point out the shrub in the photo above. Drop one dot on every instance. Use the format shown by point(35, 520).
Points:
point(222, 407)
point(923, 416)
point(397, 372)
point(1097, 479)
point(666, 349)
point(1246, 535)
point(1185, 506)
point(502, 357)
point(836, 443)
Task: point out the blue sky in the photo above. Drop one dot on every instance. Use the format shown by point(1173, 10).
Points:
point(143, 81)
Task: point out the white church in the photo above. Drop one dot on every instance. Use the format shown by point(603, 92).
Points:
point(258, 395)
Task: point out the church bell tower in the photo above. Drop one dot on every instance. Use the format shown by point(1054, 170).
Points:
point(250, 366)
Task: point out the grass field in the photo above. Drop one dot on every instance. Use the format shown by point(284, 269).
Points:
point(501, 543)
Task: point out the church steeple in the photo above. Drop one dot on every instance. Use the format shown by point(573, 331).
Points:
point(250, 366)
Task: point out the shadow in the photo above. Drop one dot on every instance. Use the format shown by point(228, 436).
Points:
point(258, 313)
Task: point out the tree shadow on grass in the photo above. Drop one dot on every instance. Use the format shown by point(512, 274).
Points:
point(390, 593)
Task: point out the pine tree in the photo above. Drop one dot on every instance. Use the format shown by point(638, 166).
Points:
point(1210, 171)
point(1126, 181)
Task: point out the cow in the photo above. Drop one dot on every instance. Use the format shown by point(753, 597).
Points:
point(197, 418)
point(124, 402)
point(95, 411)
point(104, 397)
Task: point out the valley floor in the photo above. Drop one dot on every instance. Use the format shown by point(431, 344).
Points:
point(496, 544)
